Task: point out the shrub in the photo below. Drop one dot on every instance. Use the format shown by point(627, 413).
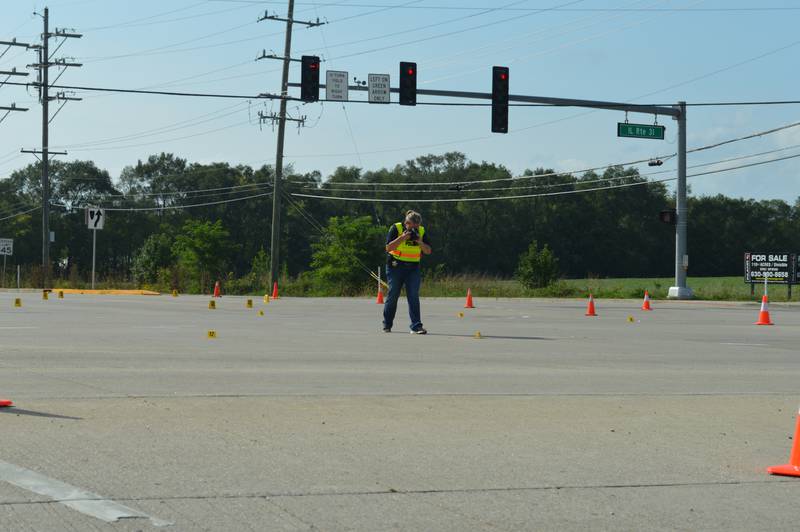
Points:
point(537, 268)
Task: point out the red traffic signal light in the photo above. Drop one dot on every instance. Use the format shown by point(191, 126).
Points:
point(499, 99)
point(309, 78)
point(408, 83)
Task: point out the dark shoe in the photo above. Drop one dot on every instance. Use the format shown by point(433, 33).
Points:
point(387, 329)
point(419, 331)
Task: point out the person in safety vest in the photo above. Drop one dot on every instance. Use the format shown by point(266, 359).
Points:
point(405, 244)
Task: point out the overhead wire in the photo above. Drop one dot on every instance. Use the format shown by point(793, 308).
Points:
point(459, 190)
point(201, 119)
point(179, 207)
point(583, 39)
point(440, 7)
point(19, 214)
point(309, 218)
point(583, 170)
point(540, 195)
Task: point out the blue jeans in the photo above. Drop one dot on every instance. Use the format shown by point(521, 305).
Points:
point(410, 277)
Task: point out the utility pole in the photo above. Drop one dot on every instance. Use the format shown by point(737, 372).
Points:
point(275, 240)
point(43, 67)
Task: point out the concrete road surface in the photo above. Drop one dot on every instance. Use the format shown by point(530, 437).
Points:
point(128, 417)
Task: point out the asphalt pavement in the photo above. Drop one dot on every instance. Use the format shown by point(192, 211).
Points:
point(129, 417)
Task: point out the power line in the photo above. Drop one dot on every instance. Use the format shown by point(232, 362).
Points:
point(584, 170)
point(144, 21)
point(263, 96)
point(460, 189)
point(160, 93)
point(544, 194)
point(308, 217)
point(20, 214)
point(194, 135)
point(161, 130)
point(178, 207)
point(524, 9)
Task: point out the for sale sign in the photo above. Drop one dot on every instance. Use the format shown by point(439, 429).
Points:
point(776, 268)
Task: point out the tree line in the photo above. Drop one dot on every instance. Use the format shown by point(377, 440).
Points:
point(176, 223)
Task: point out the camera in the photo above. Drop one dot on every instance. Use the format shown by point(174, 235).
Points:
point(413, 234)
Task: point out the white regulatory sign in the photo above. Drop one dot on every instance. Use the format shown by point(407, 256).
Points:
point(336, 85)
point(378, 85)
point(6, 246)
point(95, 218)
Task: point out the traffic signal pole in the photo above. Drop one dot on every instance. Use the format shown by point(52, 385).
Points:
point(678, 112)
point(680, 290)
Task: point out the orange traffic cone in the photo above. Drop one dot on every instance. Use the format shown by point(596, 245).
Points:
point(217, 292)
point(791, 469)
point(469, 304)
point(275, 290)
point(646, 302)
point(379, 300)
point(763, 316)
point(590, 307)
point(6, 402)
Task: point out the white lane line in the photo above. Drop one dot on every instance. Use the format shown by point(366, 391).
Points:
point(744, 345)
point(82, 501)
point(12, 328)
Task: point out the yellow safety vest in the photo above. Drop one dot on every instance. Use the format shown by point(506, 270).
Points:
point(407, 251)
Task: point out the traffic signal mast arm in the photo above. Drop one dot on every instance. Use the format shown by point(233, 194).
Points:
point(544, 100)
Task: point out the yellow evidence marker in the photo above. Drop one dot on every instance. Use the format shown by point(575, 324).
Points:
point(60, 294)
point(17, 303)
point(266, 298)
point(212, 334)
point(212, 305)
point(260, 312)
point(174, 293)
point(45, 295)
point(477, 335)
point(460, 314)
point(249, 303)
point(631, 319)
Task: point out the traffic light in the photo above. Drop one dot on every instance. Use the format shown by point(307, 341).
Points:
point(408, 83)
point(309, 78)
point(668, 216)
point(499, 99)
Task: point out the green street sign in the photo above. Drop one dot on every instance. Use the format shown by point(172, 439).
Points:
point(640, 131)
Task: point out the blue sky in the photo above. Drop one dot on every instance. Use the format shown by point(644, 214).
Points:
point(647, 51)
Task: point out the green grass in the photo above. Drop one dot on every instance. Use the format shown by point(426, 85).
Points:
point(705, 288)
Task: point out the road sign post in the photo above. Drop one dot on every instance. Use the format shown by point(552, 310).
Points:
point(95, 220)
